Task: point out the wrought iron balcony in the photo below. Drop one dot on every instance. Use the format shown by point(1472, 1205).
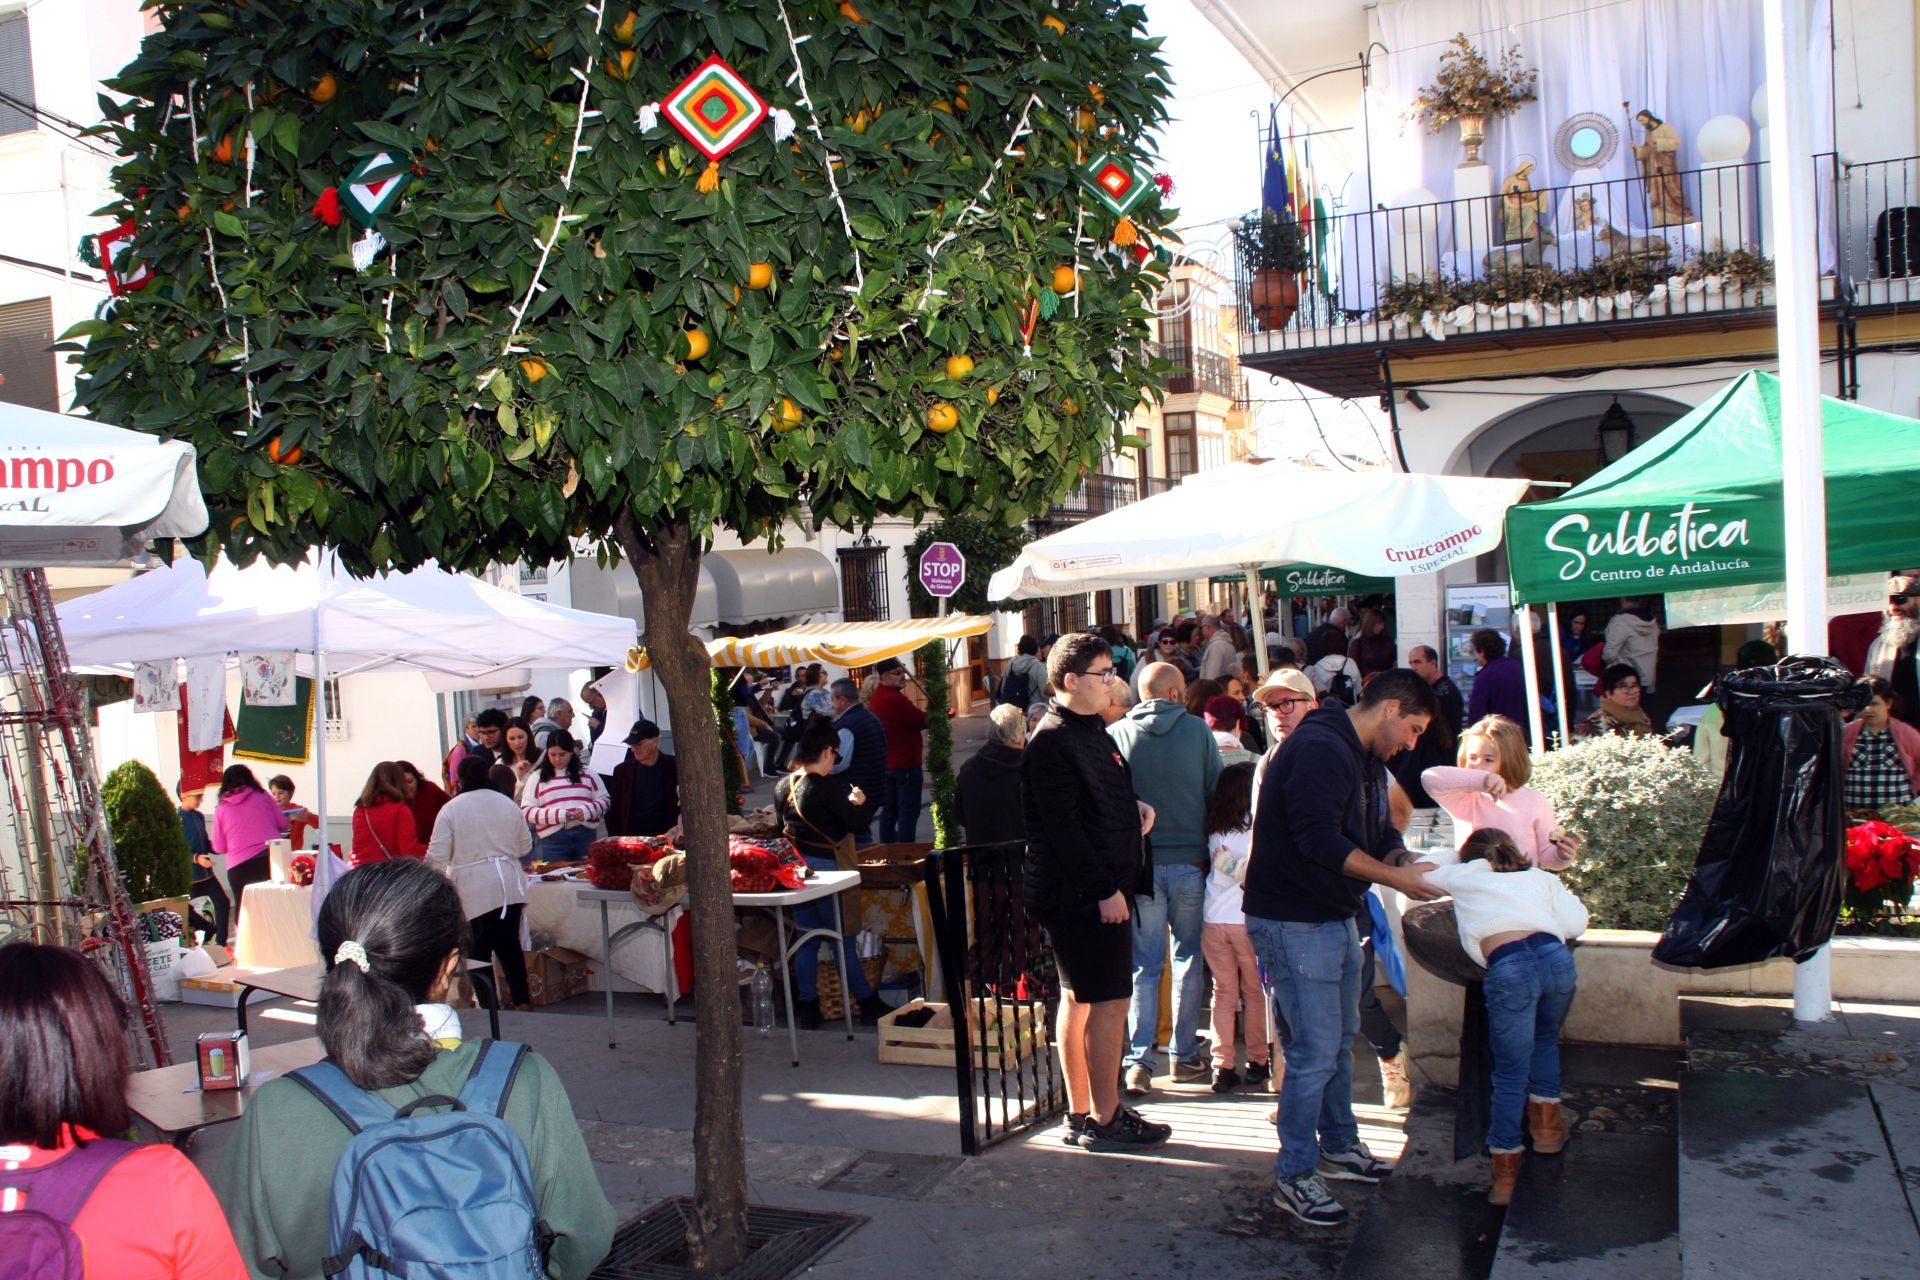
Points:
point(1570, 264)
point(1098, 494)
point(1197, 369)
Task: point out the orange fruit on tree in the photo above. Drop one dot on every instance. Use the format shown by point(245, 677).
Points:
point(993, 396)
point(959, 366)
point(534, 369)
point(1054, 25)
point(697, 344)
point(1071, 405)
point(223, 150)
point(790, 415)
point(942, 417)
point(759, 275)
point(622, 67)
point(1065, 279)
point(324, 89)
point(850, 13)
point(623, 30)
point(281, 454)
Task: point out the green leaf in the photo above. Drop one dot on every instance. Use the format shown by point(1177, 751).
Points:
point(286, 134)
point(509, 420)
point(227, 224)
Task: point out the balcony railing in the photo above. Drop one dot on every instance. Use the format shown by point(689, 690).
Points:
point(1197, 369)
point(1100, 493)
point(1596, 253)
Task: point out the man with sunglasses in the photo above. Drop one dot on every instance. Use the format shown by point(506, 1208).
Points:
point(1894, 655)
point(1086, 859)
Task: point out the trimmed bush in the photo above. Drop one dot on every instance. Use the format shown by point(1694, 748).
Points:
point(147, 839)
point(1641, 808)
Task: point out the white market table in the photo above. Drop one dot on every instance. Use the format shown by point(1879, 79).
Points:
point(276, 927)
point(606, 898)
point(823, 884)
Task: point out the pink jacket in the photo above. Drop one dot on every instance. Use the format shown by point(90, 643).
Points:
point(1906, 740)
point(1522, 813)
point(243, 823)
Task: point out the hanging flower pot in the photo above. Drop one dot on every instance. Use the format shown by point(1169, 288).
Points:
point(1274, 297)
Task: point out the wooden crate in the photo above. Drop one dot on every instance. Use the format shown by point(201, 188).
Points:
point(1021, 1029)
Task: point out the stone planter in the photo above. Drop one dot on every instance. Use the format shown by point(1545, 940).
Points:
point(1627, 999)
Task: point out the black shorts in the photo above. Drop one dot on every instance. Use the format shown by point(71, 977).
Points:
point(1096, 960)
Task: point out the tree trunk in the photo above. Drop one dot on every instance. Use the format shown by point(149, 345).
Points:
point(667, 563)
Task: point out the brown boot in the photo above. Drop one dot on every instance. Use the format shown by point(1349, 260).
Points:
point(1549, 1127)
point(1506, 1168)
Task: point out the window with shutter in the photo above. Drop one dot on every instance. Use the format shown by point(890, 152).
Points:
point(16, 75)
point(28, 374)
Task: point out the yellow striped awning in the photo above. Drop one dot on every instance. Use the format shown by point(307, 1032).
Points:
point(840, 644)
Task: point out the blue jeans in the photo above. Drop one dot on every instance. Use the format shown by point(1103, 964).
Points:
point(1528, 990)
point(818, 914)
point(1178, 901)
point(900, 806)
point(1314, 971)
point(568, 844)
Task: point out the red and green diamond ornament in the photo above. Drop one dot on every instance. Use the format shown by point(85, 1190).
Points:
point(715, 108)
point(375, 187)
point(1116, 181)
point(125, 273)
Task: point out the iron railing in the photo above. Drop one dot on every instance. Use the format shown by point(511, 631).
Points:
point(1002, 988)
point(1197, 369)
point(1602, 252)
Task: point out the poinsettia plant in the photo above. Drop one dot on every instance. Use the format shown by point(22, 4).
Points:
point(1882, 861)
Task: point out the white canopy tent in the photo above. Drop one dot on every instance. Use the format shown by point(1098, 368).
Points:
point(1248, 516)
point(455, 629)
point(75, 491)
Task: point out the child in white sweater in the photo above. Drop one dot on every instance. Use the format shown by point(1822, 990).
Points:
point(1516, 920)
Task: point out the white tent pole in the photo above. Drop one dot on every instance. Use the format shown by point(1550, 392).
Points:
point(1802, 456)
point(1523, 636)
point(1559, 670)
point(1259, 621)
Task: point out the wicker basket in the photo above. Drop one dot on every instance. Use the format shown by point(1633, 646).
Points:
point(830, 989)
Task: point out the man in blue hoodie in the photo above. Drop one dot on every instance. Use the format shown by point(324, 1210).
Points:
point(1175, 762)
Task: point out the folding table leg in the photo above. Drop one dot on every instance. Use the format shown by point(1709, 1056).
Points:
point(606, 952)
point(843, 952)
point(786, 981)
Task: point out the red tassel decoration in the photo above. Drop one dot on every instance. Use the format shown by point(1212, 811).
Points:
point(327, 207)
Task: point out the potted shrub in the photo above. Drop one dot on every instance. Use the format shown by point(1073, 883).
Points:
point(1274, 250)
point(147, 838)
point(1470, 89)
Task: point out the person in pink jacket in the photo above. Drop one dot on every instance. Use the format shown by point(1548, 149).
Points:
point(244, 820)
point(1489, 789)
point(1879, 753)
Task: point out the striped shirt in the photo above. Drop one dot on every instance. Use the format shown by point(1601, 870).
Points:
point(547, 803)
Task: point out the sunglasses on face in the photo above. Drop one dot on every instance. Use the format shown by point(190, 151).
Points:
point(1900, 599)
point(1166, 644)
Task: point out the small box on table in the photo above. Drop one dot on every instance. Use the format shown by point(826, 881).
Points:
point(223, 1059)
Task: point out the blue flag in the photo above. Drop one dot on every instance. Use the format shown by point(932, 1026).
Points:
point(1276, 196)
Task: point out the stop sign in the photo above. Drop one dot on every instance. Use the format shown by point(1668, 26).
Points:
point(943, 569)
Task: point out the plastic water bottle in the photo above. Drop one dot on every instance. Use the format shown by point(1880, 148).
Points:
point(762, 1000)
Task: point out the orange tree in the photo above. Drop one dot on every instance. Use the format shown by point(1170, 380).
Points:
point(579, 337)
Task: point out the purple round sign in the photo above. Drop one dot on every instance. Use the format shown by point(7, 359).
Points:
point(942, 569)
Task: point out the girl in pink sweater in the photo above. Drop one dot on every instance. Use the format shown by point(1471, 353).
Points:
point(1489, 789)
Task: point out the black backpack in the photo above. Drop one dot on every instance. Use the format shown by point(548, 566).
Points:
point(1342, 688)
point(1016, 690)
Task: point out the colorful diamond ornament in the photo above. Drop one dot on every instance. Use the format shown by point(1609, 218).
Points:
point(1117, 181)
point(374, 187)
point(715, 108)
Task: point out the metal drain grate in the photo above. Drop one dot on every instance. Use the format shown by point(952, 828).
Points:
point(894, 1174)
point(780, 1242)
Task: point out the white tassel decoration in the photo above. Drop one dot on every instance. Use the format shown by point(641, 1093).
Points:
point(649, 117)
point(366, 249)
point(782, 124)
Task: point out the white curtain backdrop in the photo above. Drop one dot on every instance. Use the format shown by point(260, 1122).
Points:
point(1685, 60)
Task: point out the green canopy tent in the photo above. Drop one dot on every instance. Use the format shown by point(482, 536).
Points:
point(1314, 580)
point(1700, 506)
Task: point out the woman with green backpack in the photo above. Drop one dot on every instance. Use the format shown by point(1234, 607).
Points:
point(409, 1143)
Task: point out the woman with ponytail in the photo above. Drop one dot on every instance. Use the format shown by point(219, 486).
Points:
point(392, 934)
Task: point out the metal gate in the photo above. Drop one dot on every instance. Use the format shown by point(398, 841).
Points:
point(1003, 989)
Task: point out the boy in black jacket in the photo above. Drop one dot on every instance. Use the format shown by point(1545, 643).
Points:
point(1321, 835)
point(1086, 859)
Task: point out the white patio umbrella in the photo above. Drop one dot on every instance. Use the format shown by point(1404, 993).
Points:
point(1248, 516)
point(78, 492)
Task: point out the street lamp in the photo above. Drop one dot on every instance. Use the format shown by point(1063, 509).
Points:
point(1615, 434)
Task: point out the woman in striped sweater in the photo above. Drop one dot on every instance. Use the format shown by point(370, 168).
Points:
point(563, 801)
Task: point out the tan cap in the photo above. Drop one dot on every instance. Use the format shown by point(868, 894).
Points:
point(1292, 679)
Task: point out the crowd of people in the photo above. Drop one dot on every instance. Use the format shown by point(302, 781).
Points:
point(1235, 827)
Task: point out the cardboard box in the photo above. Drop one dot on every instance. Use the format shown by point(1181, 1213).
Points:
point(223, 1058)
point(553, 974)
